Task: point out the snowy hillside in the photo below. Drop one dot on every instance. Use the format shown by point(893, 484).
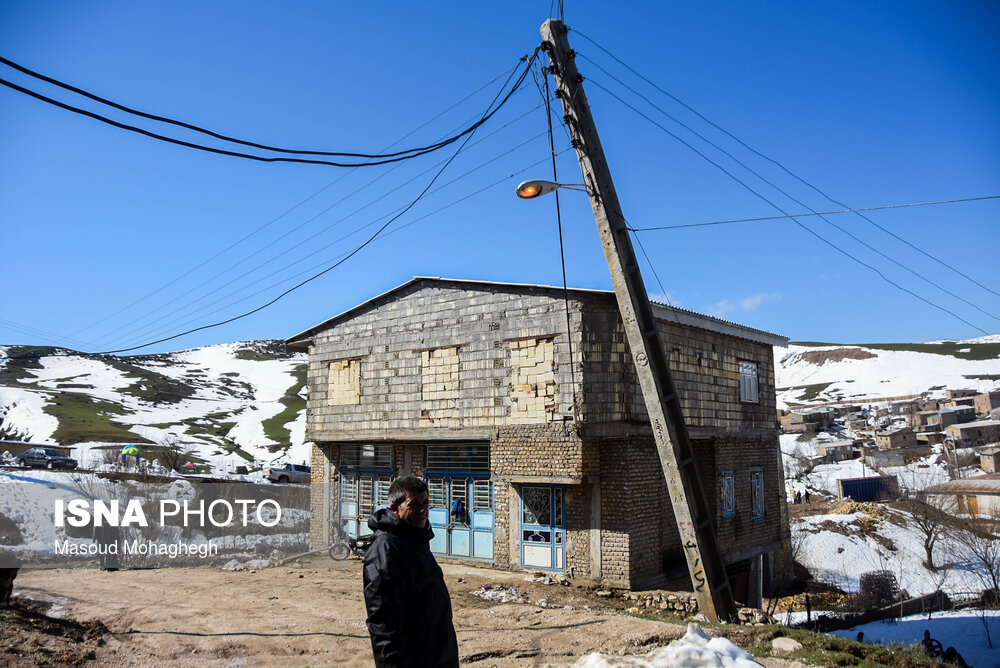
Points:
point(816, 373)
point(229, 404)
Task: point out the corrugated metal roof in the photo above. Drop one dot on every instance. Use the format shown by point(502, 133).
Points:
point(984, 484)
point(975, 425)
point(660, 311)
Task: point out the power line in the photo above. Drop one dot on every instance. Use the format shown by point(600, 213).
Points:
point(210, 133)
point(306, 271)
point(864, 243)
point(348, 256)
point(314, 235)
point(814, 213)
point(562, 251)
point(781, 166)
point(259, 158)
point(289, 210)
point(313, 252)
point(338, 260)
point(804, 227)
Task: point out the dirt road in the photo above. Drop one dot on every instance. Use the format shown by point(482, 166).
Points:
point(308, 616)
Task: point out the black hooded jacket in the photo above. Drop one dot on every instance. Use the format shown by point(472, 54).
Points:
point(409, 610)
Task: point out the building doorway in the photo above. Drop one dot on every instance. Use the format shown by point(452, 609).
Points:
point(543, 527)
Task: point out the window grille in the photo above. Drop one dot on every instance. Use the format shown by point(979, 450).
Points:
point(366, 457)
point(481, 497)
point(436, 492)
point(727, 493)
point(348, 487)
point(382, 497)
point(462, 456)
point(756, 493)
point(748, 382)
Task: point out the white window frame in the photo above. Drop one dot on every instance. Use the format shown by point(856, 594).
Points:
point(749, 382)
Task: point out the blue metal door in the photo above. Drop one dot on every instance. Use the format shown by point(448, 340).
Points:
point(543, 527)
point(461, 515)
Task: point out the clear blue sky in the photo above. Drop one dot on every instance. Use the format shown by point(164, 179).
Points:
point(874, 102)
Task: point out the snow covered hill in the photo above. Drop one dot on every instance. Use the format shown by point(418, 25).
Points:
point(819, 372)
point(229, 404)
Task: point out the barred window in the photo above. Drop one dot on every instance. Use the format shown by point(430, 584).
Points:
point(459, 456)
point(727, 493)
point(481, 497)
point(756, 493)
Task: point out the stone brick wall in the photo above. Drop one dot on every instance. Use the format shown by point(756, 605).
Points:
point(542, 451)
point(704, 365)
point(441, 357)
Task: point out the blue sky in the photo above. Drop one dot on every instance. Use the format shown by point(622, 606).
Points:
point(112, 239)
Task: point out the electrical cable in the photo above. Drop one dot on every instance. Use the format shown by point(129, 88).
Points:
point(804, 215)
point(248, 156)
point(562, 251)
point(315, 235)
point(305, 241)
point(298, 244)
point(503, 180)
point(857, 239)
point(804, 227)
point(349, 255)
point(324, 263)
point(781, 166)
point(193, 315)
point(162, 119)
point(287, 211)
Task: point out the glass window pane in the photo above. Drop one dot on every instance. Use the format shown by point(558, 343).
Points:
point(537, 502)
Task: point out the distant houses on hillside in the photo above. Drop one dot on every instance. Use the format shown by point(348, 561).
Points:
point(891, 433)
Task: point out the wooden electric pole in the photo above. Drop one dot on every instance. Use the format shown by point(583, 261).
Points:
point(694, 518)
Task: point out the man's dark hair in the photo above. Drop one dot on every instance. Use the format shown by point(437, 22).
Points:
point(407, 485)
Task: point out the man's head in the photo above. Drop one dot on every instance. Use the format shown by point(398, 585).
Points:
point(408, 499)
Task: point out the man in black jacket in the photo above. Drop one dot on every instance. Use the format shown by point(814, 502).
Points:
point(409, 610)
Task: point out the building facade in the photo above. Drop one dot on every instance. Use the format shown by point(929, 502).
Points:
point(521, 408)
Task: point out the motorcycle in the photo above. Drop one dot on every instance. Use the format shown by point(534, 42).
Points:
point(346, 545)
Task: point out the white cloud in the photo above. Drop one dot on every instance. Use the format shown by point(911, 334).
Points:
point(749, 303)
point(753, 302)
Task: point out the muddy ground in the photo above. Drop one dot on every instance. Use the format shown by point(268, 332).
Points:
point(295, 616)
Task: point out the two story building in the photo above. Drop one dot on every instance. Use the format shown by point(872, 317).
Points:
point(519, 405)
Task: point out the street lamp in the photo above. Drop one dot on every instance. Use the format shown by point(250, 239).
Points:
point(538, 187)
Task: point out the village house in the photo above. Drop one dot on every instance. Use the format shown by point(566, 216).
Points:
point(894, 439)
point(988, 459)
point(520, 407)
point(925, 420)
point(979, 496)
point(981, 432)
point(960, 394)
point(837, 451)
point(930, 437)
point(986, 402)
point(808, 420)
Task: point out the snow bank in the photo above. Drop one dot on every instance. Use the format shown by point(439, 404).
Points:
point(961, 629)
point(693, 650)
point(23, 416)
point(888, 373)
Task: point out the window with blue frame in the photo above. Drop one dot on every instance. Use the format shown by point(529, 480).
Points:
point(365, 473)
point(461, 499)
point(756, 493)
point(727, 493)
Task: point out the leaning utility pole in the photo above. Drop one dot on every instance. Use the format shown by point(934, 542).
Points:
point(694, 519)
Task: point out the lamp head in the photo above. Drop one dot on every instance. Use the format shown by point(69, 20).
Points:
point(536, 188)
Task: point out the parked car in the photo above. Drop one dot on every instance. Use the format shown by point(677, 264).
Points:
point(48, 458)
point(290, 473)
